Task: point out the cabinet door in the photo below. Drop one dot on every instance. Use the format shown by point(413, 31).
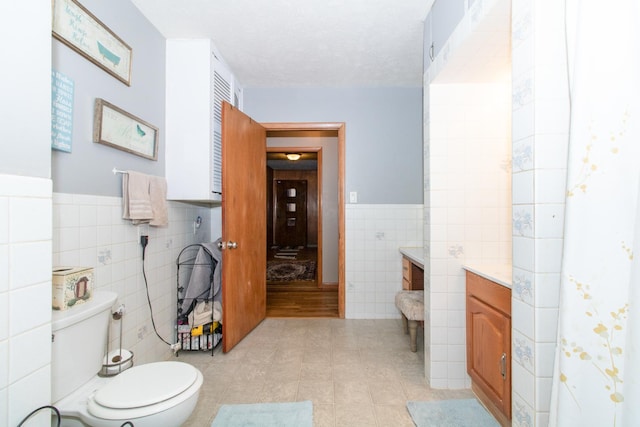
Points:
point(445, 17)
point(428, 53)
point(489, 352)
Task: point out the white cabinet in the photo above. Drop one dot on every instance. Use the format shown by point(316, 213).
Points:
point(445, 17)
point(196, 84)
point(427, 44)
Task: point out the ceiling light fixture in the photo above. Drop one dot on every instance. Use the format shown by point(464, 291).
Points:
point(293, 156)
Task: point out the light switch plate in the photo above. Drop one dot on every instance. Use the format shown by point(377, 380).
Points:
point(353, 197)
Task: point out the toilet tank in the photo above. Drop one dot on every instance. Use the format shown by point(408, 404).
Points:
point(79, 343)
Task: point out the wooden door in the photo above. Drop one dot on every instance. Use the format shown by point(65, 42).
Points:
point(291, 213)
point(244, 289)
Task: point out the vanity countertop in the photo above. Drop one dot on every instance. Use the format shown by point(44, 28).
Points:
point(499, 273)
point(415, 254)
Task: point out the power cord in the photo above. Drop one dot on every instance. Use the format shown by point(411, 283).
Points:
point(53, 408)
point(144, 241)
point(59, 417)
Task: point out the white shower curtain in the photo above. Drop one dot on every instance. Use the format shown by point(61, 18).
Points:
point(597, 372)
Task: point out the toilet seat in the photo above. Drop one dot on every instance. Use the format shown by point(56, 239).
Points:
point(144, 390)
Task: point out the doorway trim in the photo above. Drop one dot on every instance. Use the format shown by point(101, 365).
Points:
point(340, 129)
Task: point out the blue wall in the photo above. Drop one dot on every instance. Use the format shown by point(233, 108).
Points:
point(87, 169)
point(383, 134)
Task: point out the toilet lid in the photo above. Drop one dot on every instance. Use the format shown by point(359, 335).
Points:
point(146, 385)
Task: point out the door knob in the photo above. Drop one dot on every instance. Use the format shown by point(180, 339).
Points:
point(227, 245)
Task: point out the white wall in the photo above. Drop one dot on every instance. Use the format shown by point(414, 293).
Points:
point(467, 178)
point(25, 206)
point(469, 197)
point(25, 297)
point(539, 134)
point(89, 231)
point(374, 234)
point(540, 139)
point(25, 85)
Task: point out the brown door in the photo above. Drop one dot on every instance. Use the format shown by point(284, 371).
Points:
point(291, 213)
point(244, 289)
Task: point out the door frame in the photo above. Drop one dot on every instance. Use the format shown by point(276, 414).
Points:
point(318, 173)
point(340, 129)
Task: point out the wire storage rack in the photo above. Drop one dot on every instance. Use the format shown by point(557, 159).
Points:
point(196, 329)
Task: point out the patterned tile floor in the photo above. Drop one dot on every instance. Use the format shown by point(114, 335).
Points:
point(356, 372)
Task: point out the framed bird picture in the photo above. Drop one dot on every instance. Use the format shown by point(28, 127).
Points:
point(116, 128)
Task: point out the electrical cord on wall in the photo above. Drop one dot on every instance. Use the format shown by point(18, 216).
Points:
point(53, 408)
point(144, 241)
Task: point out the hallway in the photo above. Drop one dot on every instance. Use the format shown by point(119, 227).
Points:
point(301, 298)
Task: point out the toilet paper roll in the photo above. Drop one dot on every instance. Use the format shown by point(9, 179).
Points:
point(117, 361)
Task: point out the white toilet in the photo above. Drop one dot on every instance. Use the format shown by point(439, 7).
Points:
point(149, 395)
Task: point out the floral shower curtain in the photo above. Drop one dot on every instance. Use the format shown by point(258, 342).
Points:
point(597, 368)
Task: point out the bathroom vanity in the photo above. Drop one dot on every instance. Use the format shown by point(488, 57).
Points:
point(412, 268)
point(488, 298)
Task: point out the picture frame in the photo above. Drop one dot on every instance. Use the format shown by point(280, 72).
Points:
point(80, 30)
point(119, 129)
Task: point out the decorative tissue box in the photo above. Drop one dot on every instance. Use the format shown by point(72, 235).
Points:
point(71, 286)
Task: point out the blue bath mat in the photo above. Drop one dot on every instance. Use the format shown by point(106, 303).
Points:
point(451, 413)
point(295, 414)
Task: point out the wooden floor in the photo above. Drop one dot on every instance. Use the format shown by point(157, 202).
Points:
point(301, 299)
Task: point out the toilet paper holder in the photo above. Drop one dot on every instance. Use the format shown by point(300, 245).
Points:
point(118, 360)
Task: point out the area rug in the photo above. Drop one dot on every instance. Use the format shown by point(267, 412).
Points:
point(287, 252)
point(451, 413)
point(291, 270)
point(294, 414)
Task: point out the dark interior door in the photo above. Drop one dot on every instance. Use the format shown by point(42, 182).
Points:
point(291, 213)
point(244, 225)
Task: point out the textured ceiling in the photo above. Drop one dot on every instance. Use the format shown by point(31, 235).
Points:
point(304, 43)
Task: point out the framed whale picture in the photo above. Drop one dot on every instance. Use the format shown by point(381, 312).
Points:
point(79, 29)
point(116, 128)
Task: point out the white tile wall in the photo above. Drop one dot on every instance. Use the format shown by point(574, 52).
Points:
point(374, 234)
point(539, 152)
point(470, 209)
point(89, 231)
point(25, 296)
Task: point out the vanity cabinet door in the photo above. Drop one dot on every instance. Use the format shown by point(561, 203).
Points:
point(489, 344)
point(487, 352)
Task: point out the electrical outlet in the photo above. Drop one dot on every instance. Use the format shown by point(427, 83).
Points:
point(143, 230)
point(353, 197)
